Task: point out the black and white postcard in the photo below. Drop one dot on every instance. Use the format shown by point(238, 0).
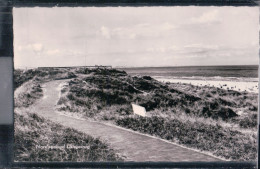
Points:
point(160, 84)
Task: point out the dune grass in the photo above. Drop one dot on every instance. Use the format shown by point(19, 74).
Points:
point(205, 118)
point(34, 133)
point(41, 74)
point(31, 92)
point(240, 102)
point(222, 142)
point(99, 91)
point(222, 122)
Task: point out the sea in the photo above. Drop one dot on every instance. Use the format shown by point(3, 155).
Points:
point(238, 77)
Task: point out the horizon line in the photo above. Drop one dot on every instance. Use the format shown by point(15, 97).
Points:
point(24, 67)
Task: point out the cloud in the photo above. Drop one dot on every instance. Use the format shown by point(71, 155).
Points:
point(200, 47)
point(53, 52)
point(136, 31)
point(124, 33)
point(37, 47)
point(191, 51)
point(105, 32)
point(167, 26)
point(119, 32)
point(143, 25)
point(207, 17)
point(135, 34)
point(132, 36)
point(163, 49)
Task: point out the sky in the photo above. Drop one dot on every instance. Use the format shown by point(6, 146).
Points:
point(135, 36)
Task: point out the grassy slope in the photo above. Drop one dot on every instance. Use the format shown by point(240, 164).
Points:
point(108, 94)
point(244, 102)
point(222, 142)
point(31, 91)
point(40, 74)
point(32, 131)
point(101, 90)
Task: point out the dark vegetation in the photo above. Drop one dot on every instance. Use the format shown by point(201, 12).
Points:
point(32, 131)
point(32, 92)
point(107, 94)
point(98, 90)
point(249, 121)
point(234, 101)
point(222, 142)
point(22, 76)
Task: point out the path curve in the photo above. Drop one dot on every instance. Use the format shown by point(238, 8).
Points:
point(136, 147)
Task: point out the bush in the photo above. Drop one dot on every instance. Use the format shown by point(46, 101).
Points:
point(226, 113)
point(249, 122)
point(29, 96)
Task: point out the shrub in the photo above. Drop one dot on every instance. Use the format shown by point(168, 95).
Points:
point(249, 122)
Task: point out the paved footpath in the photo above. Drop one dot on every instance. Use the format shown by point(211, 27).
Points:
point(135, 146)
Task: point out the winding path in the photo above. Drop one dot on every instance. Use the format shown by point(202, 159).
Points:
point(134, 146)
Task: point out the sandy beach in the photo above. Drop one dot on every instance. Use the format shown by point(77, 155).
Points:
point(249, 86)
